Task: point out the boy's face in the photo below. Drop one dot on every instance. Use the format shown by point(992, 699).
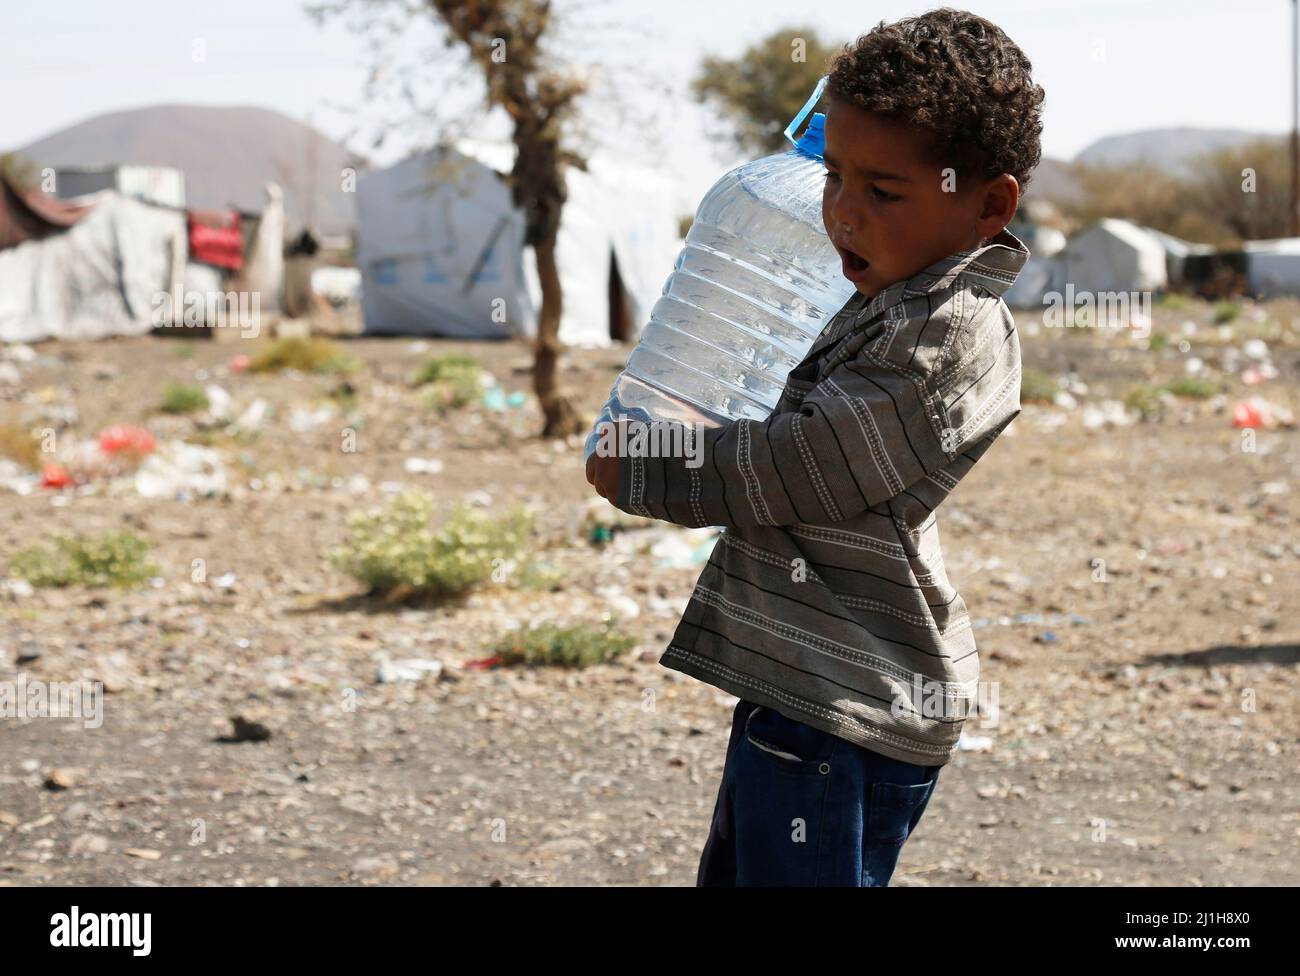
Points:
point(887, 206)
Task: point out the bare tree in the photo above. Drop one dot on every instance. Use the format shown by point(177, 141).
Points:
point(505, 39)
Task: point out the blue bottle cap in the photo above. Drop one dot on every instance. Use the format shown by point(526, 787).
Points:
point(813, 141)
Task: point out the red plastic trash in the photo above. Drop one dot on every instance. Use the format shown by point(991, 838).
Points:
point(56, 476)
point(125, 439)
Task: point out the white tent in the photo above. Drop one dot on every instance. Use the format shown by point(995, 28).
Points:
point(1039, 276)
point(102, 276)
point(440, 250)
point(1273, 267)
point(617, 242)
point(1114, 256)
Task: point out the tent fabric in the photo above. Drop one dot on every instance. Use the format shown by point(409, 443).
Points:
point(613, 208)
point(262, 271)
point(615, 214)
point(1114, 256)
point(100, 277)
point(28, 215)
point(440, 250)
point(1273, 267)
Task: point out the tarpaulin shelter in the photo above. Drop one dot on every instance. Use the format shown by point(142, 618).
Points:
point(1273, 267)
point(441, 248)
point(29, 215)
point(99, 274)
point(1114, 256)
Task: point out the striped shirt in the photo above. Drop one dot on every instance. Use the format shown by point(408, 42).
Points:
point(826, 597)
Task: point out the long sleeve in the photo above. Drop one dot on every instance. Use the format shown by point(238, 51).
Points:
point(867, 430)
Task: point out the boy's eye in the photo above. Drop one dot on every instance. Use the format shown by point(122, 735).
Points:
point(882, 196)
point(832, 177)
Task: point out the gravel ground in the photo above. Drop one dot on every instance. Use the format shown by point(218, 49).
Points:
point(1147, 731)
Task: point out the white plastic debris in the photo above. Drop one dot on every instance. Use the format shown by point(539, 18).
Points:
point(408, 669)
point(218, 402)
point(254, 417)
point(179, 470)
point(619, 602)
point(302, 420)
point(1109, 413)
point(415, 465)
point(974, 743)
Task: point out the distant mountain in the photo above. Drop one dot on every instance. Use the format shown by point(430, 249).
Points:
point(1167, 148)
point(227, 155)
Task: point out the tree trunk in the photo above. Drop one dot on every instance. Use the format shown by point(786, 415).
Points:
point(560, 419)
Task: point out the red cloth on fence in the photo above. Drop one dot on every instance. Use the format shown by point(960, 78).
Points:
point(215, 238)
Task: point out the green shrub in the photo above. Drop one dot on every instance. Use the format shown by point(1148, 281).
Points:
point(397, 550)
point(310, 355)
point(1174, 302)
point(451, 381)
point(1037, 386)
point(111, 559)
point(566, 647)
point(1146, 400)
point(1194, 387)
point(1225, 312)
point(183, 398)
point(1157, 341)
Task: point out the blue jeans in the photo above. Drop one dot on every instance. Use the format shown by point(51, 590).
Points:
point(798, 806)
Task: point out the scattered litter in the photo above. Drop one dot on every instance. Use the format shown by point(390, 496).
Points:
point(619, 601)
point(479, 499)
point(127, 440)
point(484, 664)
point(1046, 637)
point(1064, 399)
point(219, 402)
point(495, 398)
point(1256, 413)
point(56, 476)
point(240, 363)
point(408, 669)
point(1054, 619)
point(302, 420)
point(684, 548)
point(254, 417)
point(1253, 375)
point(415, 465)
point(1109, 413)
point(974, 743)
point(1255, 349)
point(225, 581)
point(9, 375)
point(180, 470)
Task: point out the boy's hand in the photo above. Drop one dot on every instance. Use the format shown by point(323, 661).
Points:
point(602, 473)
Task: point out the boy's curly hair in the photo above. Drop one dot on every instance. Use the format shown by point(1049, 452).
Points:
point(956, 76)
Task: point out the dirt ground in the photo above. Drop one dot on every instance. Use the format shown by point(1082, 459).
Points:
point(1147, 731)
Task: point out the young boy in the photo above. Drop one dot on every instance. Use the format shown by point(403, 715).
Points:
point(825, 606)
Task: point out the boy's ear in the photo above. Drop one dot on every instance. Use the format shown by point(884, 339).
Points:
point(1001, 199)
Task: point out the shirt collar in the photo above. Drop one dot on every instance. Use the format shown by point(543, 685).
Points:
point(994, 266)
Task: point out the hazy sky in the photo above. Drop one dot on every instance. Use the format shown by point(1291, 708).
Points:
point(1109, 66)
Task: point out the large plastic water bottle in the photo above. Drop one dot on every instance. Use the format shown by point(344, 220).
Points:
point(753, 287)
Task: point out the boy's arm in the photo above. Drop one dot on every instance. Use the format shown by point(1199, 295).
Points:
point(868, 430)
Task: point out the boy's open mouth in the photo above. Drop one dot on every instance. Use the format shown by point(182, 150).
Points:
point(855, 265)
